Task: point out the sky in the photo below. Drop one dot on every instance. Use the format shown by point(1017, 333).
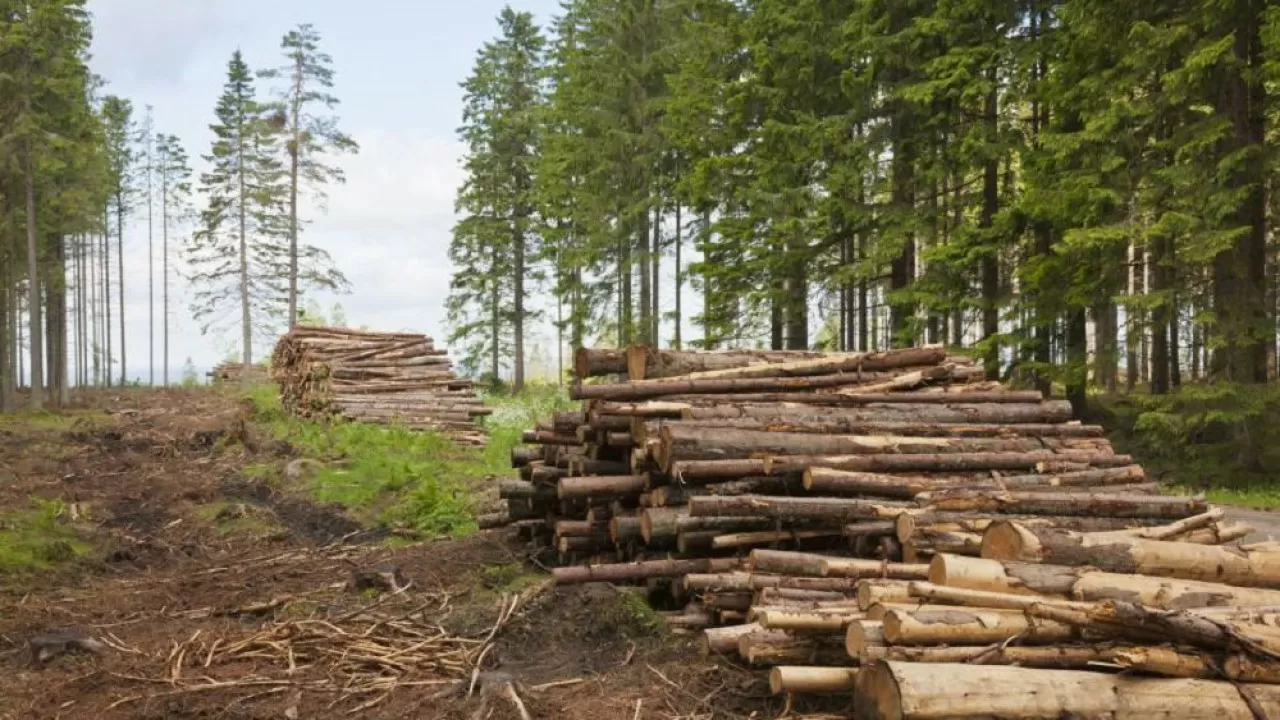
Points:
point(399, 64)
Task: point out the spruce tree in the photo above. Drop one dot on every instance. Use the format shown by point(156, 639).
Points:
point(120, 129)
point(239, 252)
point(494, 243)
point(309, 136)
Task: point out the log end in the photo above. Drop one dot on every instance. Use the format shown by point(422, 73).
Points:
point(1006, 540)
point(904, 527)
point(861, 635)
point(876, 694)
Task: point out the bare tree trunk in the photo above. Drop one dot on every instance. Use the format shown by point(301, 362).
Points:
point(655, 261)
point(33, 286)
point(676, 340)
point(295, 150)
point(990, 261)
point(164, 271)
point(246, 327)
point(124, 366)
point(106, 299)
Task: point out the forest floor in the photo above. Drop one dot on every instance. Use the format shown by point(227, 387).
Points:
point(170, 525)
point(223, 590)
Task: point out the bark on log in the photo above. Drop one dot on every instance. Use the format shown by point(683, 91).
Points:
point(870, 529)
point(653, 363)
point(806, 621)
point(696, 542)
point(768, 537)
point(600, 486)
point(630, 572)
point(724, 581)
point(830, 511)
point(783, 596)
point(548, 437)
point(521, 456)
point(921, 691)
point(966, 626)
point(779, 648)
point(1124, 619)
point(855, 568)
point(594, 362)
point(646, 389)
point(1068, 657)
point(590, 466)
point(908, 523)
point(862, 635)
point(831, 364)
point(1087, 584)
point(782, 562)
point(682, 443)
point(840, 482)
point(706, 470)
point(1041, 503)
point(986, 599)
point(873, 591)
point(625, 529)
point(1170, 662)
point(808, 679)
point(959, 394)
point(722, 640)
point(900, 410)
point(1120, 554)
point(659, 523)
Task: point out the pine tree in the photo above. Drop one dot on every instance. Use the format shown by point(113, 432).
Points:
point(309, 137)
point(146, 141)
point(493, 245)
point(239, 253)
point(173, 176)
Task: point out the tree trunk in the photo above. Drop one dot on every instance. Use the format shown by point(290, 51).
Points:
point(1005, 414)
point(517, 320)
point(646, 276)
point(722, 640)
point(961, 626)
point(676, 340)
point(106, 296)
point(1130, 554)
point(596, 362)
point(601, 486)
point(124, 357)
point(726, 581)
point(990, 262)
point(856, 568)
point(828, 364)
point(772, 647)
point(825, 424)
point(829, 511)
point(295, 153)
point(804, 679)
point(33, 285)
point(920, 691)
point(664, 523)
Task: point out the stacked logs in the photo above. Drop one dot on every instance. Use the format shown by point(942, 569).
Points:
point(376, 377)
point(892, 525)
point(234, 373)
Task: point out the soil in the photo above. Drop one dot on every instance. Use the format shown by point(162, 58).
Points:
point(218, 594)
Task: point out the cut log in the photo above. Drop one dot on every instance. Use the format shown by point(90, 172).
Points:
point(1128, 620)
point(870, 529)
point(945, 541)
point(855, 568)
point(862, 635)
point(695, 542)
point(986, 599)
point(907, 523)
point(1039, 503)
point(873, 591)
point(511, 489)
point(548, 437)
point(888, 463)
point(781, 562)
point(810, 621)
point(768, 537)
point(900, 410)
point(1086, 584)
point(568, 420)
point(1170, 662)
point(521, 456)
point(740, 600)
point(780, 648)
point(601, 486)
point(644, 362)
point(722, 581)
point(683, 442)
point(594, 362)
point(831, 364)
point(658, 523)
point(1130, 554)
point(832, 511)
point(1068, 657)
point(967, 626)
point(784, 596)
point(924, 691)
point(805, 679)
point(967, 394)
point(821, 423)
point(631, 572)
point(626, 529)
point(645, 389)
point(723, 640)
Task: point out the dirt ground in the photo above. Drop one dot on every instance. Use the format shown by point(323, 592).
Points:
point(218, 595)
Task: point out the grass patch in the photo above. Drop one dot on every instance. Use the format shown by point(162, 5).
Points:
point(1261, 498)
point(230, 518)
point(46, 421)
point(631, 616)
point(37, 539)
point(393, 476)
point(507, 578)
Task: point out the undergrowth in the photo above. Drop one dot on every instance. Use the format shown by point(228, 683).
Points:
point(36, 538)
point(394, 476)
point(1222, 439)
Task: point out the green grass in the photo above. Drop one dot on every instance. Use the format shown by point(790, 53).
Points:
point(394, 476)
point(1262, 498)
point(44, 421)
point(230, 518)
point(37, 539)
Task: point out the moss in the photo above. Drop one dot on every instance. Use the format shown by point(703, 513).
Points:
point(37, 538)
point(631, 616)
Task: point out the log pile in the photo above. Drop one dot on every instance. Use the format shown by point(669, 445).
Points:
point(376, 377)
point(234, 373)
point(893, 527)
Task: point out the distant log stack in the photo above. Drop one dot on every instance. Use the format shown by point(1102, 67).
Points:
point(234, 373)
point(893, 526)
point(376, 377)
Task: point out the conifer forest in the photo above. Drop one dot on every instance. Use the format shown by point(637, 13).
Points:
point(79, 165)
